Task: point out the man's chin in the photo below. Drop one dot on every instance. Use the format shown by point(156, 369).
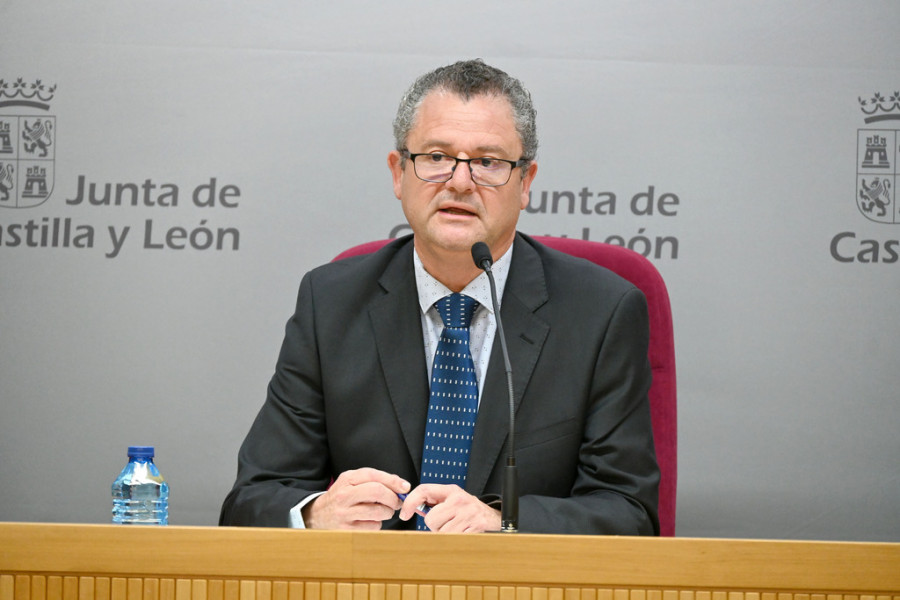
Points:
point(458, 239)
point(453, 241)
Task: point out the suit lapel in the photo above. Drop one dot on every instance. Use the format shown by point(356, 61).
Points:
point(525, 292)
point(397, 328)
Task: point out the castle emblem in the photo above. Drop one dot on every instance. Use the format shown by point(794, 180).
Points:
point(877, 157)
point(27, 143)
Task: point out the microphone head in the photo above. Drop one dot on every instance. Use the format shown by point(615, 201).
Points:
point(481, 254)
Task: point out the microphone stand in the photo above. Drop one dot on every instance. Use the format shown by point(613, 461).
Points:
point(509, 506)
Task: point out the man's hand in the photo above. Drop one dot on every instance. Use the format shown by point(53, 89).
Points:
point(452, 509)
point(359, 499)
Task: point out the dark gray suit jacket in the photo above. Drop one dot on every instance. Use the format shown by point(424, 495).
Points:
point(350, 390)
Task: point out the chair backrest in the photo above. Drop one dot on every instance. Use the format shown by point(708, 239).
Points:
point(663, 397)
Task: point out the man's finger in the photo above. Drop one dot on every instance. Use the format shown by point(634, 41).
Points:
point(366, 474)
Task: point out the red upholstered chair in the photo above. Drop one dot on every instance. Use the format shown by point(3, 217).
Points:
point(641, 272)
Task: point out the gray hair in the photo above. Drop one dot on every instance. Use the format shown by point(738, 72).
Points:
point(466, 79)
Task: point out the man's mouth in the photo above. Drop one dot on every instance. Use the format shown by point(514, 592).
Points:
point(457, 211)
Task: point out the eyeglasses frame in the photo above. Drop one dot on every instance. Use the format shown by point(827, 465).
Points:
point(512, 163)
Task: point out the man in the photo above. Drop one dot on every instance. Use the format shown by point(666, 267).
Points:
point(343, 435)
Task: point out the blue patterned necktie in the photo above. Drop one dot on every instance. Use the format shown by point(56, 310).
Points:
point(454, 398)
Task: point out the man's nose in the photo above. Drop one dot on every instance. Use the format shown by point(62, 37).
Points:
point(461, 180)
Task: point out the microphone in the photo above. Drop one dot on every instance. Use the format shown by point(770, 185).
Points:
point(509, 507)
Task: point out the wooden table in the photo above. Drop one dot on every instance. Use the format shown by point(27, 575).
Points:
point(114, 562)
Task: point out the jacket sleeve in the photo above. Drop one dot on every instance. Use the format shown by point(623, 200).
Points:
point(284, 457)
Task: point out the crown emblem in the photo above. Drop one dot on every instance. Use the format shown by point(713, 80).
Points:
point(877, 108)
point(22, 93)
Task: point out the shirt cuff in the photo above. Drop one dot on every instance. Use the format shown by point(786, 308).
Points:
point(296, 516)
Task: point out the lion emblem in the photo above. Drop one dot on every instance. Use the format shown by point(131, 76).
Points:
point(38, 136)
point(6, 181)
point(877, 195)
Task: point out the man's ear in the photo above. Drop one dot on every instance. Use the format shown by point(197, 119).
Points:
point(530, 173)
point(395, 164)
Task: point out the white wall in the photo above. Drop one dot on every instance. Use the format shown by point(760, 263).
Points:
point(748, 112)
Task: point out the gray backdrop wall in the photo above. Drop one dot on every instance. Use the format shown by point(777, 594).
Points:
point(176, 168)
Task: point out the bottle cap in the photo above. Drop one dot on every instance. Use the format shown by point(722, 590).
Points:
point(140, 452)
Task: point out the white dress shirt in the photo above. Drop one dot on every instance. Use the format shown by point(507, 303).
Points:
point(484, 323)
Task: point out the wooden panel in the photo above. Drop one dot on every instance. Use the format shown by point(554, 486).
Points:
point(621, 561)
point(215, 590)
point(7, 587)
point(24, 587)
point(85, 588)
point(102, 588)
point(176, 551)
point(107, 562)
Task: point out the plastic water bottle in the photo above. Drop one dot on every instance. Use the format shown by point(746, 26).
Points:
point(140, 495)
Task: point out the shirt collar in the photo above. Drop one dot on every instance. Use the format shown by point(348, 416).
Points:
point(431, 290)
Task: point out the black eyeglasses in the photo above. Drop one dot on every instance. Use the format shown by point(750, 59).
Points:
point(437, 167)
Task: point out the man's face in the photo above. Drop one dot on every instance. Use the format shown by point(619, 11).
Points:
point(451, 216)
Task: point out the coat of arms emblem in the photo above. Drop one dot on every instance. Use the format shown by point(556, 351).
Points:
point(877, 155)
point(27, 143)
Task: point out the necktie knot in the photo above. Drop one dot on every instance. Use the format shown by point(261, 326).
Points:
point(456, 310)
